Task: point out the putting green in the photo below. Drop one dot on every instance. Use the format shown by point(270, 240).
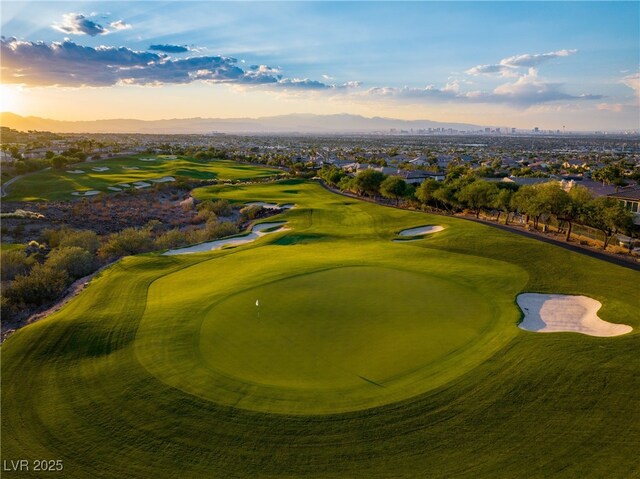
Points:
point(341, 328)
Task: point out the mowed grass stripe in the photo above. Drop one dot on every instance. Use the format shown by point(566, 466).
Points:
point(556, 405)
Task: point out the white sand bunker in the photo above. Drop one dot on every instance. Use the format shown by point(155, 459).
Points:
point(100, 168)
point(130, 167)
point(141, 184)
point(164, 179)
point(256, 232)
point(124, 185)
point(419, 231)
point(147, 159)
point(554, 313)
point(75, 172)
point(271, 206)
point(85, 193)
point(114, 188)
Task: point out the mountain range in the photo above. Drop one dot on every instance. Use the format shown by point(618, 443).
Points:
point(293, 123)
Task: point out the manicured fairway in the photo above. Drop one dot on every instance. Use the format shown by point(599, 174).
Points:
point(60, 184)
point(363, 358)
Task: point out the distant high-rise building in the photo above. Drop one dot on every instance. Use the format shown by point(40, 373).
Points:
point(536, 130)
point(513, 130)
point(487, 130)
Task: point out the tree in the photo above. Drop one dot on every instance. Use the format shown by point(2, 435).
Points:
point(579, 198)
point(331, 174)
point(368, 182)
point(425, 192)
point(609, 216)
point(393, 187)
point(478, 195)
point(554, 201)
point(58, 162)
point(502, 202)
point(527, 201)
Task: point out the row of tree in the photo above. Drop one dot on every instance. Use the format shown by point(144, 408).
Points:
point(463, 190)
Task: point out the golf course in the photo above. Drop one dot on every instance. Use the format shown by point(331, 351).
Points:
point(118, 174)
point(353, 340)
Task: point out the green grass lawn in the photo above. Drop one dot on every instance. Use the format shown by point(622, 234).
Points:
point(53, 184)
point(364, 358)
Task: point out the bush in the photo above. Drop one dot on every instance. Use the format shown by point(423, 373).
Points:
point(171, 239)
point(14, 263)
point(75, 261)
point(85, 239)
point(126, 242)
point(41, 285)
point(220, 229)
point(251, 212)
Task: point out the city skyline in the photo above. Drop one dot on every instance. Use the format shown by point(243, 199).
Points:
point(515, 64)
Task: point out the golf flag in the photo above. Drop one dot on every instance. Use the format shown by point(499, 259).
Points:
point(257, 302)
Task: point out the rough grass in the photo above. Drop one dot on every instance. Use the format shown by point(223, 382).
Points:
point(53, 184)
point(87, 385)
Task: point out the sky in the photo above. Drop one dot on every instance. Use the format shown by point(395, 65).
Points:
point(511, 64)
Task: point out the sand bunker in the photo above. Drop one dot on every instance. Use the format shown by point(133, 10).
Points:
point(554, 313)
point(147, 159)
point(114, 188)
point(85, 193)
point(130, 167)
point(271, 206)
point(419, 231)
point(164, 179)
point(256, 232)
point(124, 185)
point(75, 172)
point(100, 168)
point(141, 184)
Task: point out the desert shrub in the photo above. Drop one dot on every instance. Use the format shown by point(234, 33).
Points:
point(204, 216)
point(219, 207)
point(77, 262)
point(6, 311)
point(41, 285)
point(85, 239)
point(171, 239)
point(126, 242)
point(22, 214)
point(251, 212)
point(220, 229)
point(14, 263)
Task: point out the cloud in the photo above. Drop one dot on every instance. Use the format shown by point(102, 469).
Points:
point(529, 60)
point(71, 65)
point(530, 89)
point(633, 82)
point(120, 25)
point(615, 107)
point(79, 24)
point(509, 66)
point(526, 91)
point(169, 48)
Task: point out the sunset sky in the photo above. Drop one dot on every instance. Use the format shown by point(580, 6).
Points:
point(517, 64)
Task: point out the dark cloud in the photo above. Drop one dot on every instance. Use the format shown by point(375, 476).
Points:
point(73, 65)
point(78, 24)
point(169, 48)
